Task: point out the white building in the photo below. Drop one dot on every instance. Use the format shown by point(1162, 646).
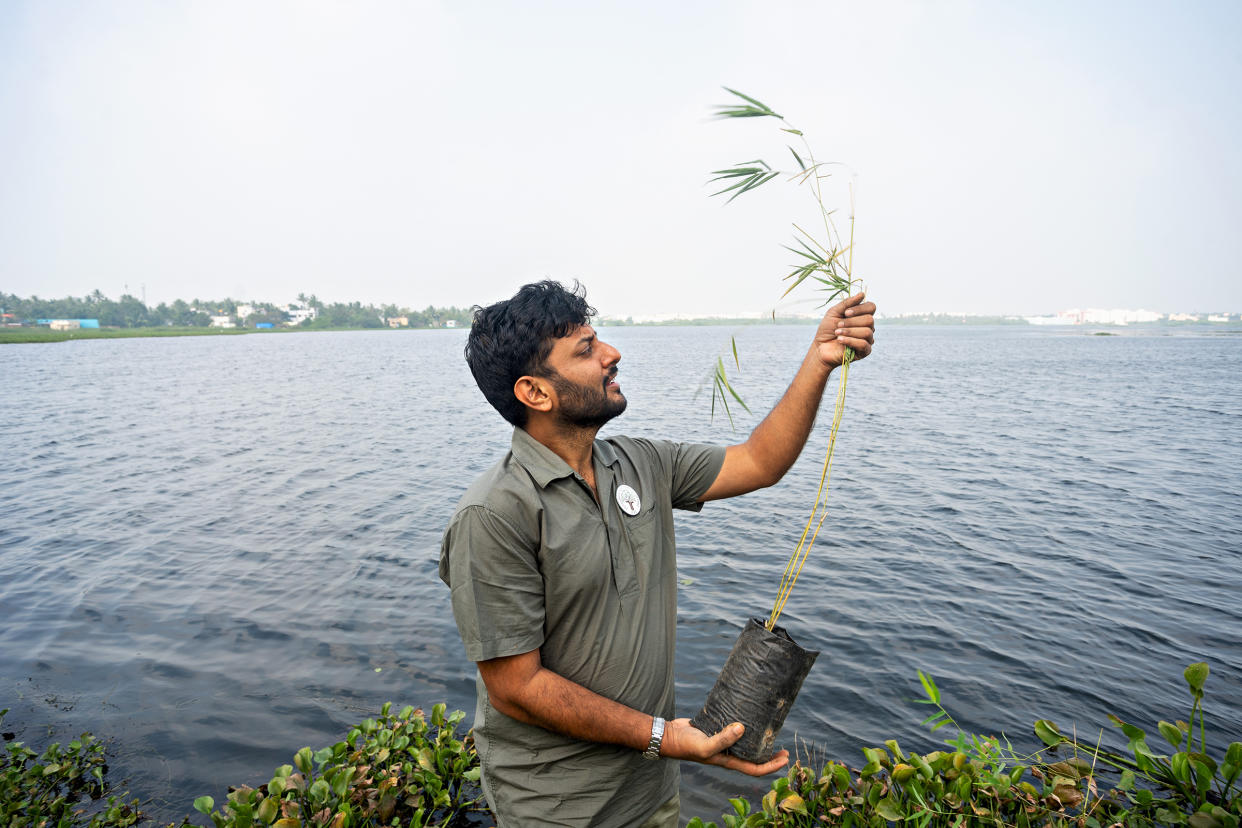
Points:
point(245, 310)
point(298, 314)
point(1183, 317)
point(1097, 316)
point(223, 322)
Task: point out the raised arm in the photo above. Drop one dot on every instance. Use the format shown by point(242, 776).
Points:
point(521, 687)
point(776, 442)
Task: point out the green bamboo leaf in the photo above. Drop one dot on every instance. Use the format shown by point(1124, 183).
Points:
point(741, 183)
point(728, 413)
point(804, 254)
point(738, 398)
point(745, 97)
point(734, 172)
point(733, 339)
point(767, 110)
point(818, 250)
point(749, 184)
point(802, 278)
point(720, 383)
point(754, 182)
point(798, 158)
point(791, 130)
point(929, 687)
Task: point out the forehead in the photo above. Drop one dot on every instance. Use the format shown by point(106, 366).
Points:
point(571, 340)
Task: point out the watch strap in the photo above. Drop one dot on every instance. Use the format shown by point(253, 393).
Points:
point(657, 737)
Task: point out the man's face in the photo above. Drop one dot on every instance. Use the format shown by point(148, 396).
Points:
point(584, 373)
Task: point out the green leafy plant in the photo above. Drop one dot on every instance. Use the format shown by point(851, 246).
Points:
point(985, 781)
point(392, 770)
point(825, 258)
point(62, 787)
point(1185, 787)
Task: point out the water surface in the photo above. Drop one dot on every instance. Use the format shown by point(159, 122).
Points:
point(217, 550)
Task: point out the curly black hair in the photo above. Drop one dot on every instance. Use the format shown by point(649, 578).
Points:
point(513, 339)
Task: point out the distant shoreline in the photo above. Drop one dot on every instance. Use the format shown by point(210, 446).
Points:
point(25, 336)
point(35, 335)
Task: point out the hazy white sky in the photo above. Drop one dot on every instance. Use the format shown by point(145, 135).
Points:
point(1008, 157)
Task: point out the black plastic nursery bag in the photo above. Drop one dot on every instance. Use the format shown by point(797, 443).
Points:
point(756, 687)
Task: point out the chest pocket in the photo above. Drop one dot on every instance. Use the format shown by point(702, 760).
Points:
point(640, 545)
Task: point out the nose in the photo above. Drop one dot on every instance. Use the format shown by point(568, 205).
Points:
point(610, 354)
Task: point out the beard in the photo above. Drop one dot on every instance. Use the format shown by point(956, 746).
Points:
point(584, 406)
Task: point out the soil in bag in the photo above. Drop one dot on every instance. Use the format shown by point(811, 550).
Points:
point(756, 687)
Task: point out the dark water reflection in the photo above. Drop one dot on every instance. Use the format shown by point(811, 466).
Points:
point(217, 550)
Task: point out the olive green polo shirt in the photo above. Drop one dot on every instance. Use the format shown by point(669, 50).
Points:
point(535, 562)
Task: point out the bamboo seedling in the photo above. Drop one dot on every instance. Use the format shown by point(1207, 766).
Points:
point(825, 259)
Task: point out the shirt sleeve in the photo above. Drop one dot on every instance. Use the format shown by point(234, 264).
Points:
point(695, 468)
point(690, 468)
point(497, 588)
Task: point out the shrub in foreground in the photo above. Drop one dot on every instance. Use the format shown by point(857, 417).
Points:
point(405, 770)
point(61, 787)
point(392, 770)
point(983, 781)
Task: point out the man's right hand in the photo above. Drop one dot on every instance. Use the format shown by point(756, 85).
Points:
point(684, 741)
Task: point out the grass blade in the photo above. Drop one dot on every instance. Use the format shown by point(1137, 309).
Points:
point(767, 110)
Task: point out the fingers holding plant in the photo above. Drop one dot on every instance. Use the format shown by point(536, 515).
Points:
point(848, 324)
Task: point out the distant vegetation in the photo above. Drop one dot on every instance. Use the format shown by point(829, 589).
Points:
point(130, 312)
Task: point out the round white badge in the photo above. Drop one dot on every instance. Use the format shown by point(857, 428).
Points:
point(628, 500)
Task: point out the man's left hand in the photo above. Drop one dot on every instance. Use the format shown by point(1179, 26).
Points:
point(684, 741)
point(848, 324)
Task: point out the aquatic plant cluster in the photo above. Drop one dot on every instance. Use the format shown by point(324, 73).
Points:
point(984, 781)
point(61, 787)
point(405, 770)
point(392, 770)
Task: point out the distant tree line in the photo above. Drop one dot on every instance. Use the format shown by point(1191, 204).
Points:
point(131, 312)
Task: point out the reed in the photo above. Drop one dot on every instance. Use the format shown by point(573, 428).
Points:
point(825, 258)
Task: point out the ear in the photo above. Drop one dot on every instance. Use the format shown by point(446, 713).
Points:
point(535, 393)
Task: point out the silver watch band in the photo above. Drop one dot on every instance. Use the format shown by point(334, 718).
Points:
point(657, 736)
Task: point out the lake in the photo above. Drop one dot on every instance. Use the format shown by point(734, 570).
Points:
point(216, 550)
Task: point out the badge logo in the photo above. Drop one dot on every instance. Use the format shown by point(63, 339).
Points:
point(628, 500)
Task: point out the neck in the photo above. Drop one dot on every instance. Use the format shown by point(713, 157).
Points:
point(574, 445)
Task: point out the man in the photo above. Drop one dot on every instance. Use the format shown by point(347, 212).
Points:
point(563, 570)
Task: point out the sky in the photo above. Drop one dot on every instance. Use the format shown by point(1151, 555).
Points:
point(1016, 157)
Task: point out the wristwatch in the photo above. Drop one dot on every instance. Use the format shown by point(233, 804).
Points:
point(657, 736)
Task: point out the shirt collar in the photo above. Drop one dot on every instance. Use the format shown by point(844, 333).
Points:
point(543, 463)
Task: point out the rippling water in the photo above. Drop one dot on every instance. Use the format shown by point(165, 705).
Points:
point(217, 550)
